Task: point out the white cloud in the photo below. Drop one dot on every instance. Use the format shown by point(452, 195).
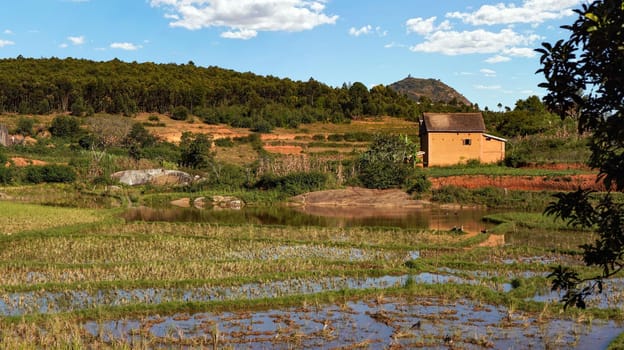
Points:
point(8, 32)
point(4, 43)
point(487, 87)
point(76, 40)
point(393, 45)
point(476, 41)
point(243, 34)
point(125, 46)
point(520, 52)
point(245, 18)
point(366, 30)
point(63, 46)
point(362, 31)
point(488, 72)
point(498, 59)
point(426, 26)
point(531, 11)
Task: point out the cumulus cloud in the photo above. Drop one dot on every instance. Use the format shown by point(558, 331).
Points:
point(425, 26)
point(125, 46)
point(4, 43)
point(531, 11)
point(366, 30)
point(498, 59)
point(245, 18)
point(76, 40)
point(488, 72)
point(476, 41)
point(362, 31)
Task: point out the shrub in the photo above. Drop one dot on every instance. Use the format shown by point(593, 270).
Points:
point(294, 183)
point(6, 175)
point(25, 126)
point(418, 183)
point(180, 113)
point(49, 173)
point(224, 142)
point(64, 126)
point(153, 118)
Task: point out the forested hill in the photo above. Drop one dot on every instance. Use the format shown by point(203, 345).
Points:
point(216, 95)
point(432, 89)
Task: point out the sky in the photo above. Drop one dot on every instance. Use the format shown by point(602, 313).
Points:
point(482, 48)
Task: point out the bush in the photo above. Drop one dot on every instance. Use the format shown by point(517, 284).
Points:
point(6, 175)
point(153, 118)
point(228, 176)
point(49, 173)
point(64, 126)
point(418, 183)
point(515, 161)
point(224, 142)
point(25, 126)
point(180, 113)
point(294, 183)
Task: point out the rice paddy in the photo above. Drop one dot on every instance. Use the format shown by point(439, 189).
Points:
point(78, 278)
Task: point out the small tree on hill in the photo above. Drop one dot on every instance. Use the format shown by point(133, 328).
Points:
point(584, 78)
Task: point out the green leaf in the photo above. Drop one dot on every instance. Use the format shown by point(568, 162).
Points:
point(592, 17)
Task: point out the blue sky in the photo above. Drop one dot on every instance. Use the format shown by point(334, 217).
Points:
point(482, 48)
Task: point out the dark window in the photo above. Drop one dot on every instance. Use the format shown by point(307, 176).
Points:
point(467, 142)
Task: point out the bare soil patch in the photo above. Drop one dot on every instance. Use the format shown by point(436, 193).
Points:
point(524, 183)
point(22, 162)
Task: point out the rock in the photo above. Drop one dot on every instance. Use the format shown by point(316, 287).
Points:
point(227, 202)
point(199, 202)
point(182, 203)
point(113, 189)
point(152, 176)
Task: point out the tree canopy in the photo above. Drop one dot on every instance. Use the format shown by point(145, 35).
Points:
point(216, 95)
point(585, 80)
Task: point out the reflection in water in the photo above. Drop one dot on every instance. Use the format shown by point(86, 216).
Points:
point(434, 218)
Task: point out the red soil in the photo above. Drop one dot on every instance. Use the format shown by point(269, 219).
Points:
point(22, 162)
point(526, 183)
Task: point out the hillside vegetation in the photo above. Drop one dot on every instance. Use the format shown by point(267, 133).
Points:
point(216, 95)
point(429, 90)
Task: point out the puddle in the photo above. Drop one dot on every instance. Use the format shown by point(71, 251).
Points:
point(378, 323)
point(15, 304)
point(611, 296)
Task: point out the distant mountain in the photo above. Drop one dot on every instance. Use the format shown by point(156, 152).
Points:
point(434, 89)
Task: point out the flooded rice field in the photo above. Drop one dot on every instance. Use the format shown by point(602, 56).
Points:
point(382, 322)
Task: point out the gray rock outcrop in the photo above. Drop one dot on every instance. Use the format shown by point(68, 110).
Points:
point(152, 176)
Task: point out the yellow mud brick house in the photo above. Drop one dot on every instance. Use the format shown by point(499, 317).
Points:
point(454, 138)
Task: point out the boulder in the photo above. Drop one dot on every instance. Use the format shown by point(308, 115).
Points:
point(152, 176)
point(227, 202)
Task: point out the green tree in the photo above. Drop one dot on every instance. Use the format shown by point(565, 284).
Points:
point(195, 150)
point(386, 164)
point(64, 126)
point(180, 113)
point(584, 78)
point(137, 139)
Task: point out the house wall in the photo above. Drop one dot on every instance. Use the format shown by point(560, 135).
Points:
point(492, 150)
point(449, 148)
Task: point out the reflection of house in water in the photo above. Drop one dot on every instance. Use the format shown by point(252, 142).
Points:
point(4, 136)
point(452, 138)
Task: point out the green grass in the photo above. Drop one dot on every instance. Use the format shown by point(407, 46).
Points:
point(18, 218)
point(498, 170)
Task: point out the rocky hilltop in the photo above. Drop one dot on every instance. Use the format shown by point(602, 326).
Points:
point(434, 89)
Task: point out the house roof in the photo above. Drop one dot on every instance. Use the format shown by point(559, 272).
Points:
point(453, 122)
